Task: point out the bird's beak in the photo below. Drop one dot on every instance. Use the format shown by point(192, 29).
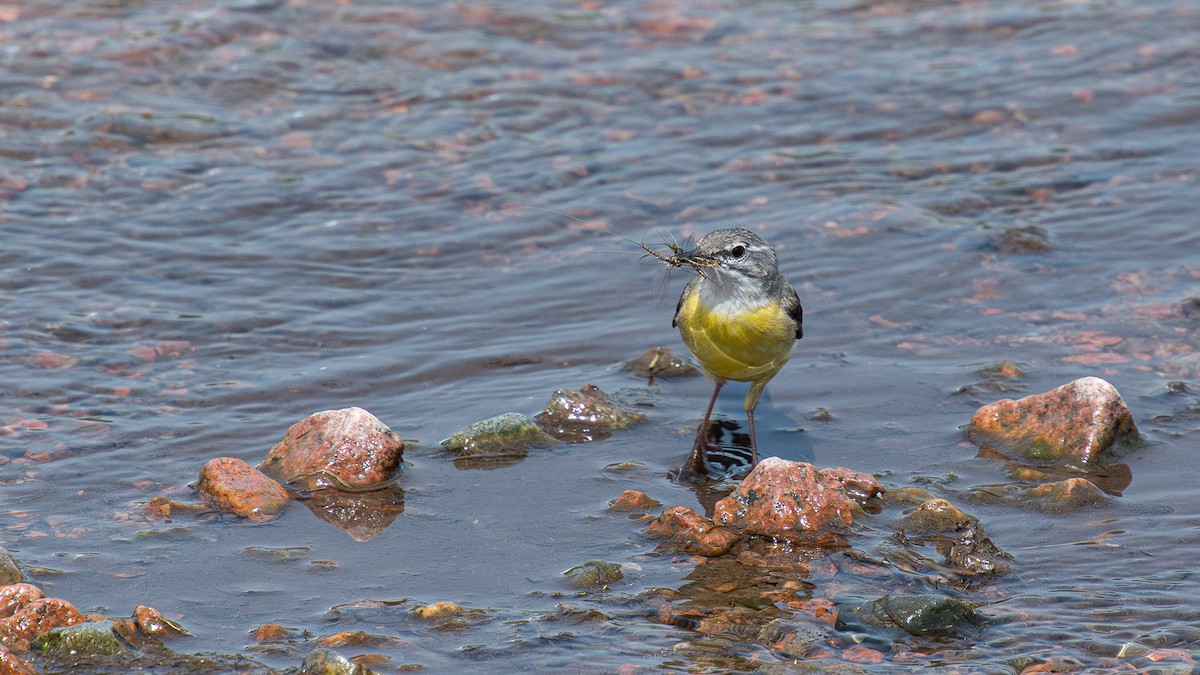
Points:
point(694, 258)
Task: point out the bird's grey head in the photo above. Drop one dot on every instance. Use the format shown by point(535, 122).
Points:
point(737, 250)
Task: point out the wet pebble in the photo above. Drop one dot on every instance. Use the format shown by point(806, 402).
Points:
point(1078, 421)
point(347, 448)
point(689, 532)
point(234, 486)
point(661, 362)
point(788, 500)
point(585, 415)
point(593, 574)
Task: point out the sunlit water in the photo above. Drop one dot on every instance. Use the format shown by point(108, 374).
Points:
point(220, 217)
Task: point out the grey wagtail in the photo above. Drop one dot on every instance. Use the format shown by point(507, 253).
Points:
point(741, 319)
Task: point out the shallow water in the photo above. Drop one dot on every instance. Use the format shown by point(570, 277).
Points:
point(220, 217)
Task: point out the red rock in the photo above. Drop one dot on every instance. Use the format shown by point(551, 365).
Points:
point(632, 500)
point(689, 532)
point(347, 448)
point(786, 499)
point(1077, 422)
point(234, 486)
point(34, 619)
point(16, 596)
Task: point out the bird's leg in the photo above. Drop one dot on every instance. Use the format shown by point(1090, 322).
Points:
point(697, 462)
point(753, 444)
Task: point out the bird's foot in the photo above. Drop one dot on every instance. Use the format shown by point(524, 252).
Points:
point(695, 469)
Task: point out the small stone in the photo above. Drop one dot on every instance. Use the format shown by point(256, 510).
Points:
point(633, 501)
point(594, 573)
point(1075, 422)
point(92, 638)
point(661, 362)
point(788, 500)
point(348, 448)
point(238, 488)
point(585, 415)
point(687, 531)
point(505, 433)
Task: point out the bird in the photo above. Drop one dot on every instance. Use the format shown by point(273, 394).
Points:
point(739, 317)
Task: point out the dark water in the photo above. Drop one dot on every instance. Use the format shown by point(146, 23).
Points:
point(220, 217)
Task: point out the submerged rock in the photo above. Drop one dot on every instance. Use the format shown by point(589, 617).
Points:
point(323, 661)
point(1018, 240)
point(922, 614)
point(238, 488)
point(687, 531)
point(789, 500)
point(585, 415)
point(1075, 422)
point(955, 534)
point(348, 448)
point(497, 441)
point(594, 573)
point(661, 362)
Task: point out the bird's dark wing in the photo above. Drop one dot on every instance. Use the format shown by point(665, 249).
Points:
point(795, 311)
point(675, 317)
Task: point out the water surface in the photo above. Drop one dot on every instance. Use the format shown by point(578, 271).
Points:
point(221, 217)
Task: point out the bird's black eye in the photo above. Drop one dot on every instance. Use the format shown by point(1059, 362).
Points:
point(737, 250)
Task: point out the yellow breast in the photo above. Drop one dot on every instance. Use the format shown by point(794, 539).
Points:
point(737, 342)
